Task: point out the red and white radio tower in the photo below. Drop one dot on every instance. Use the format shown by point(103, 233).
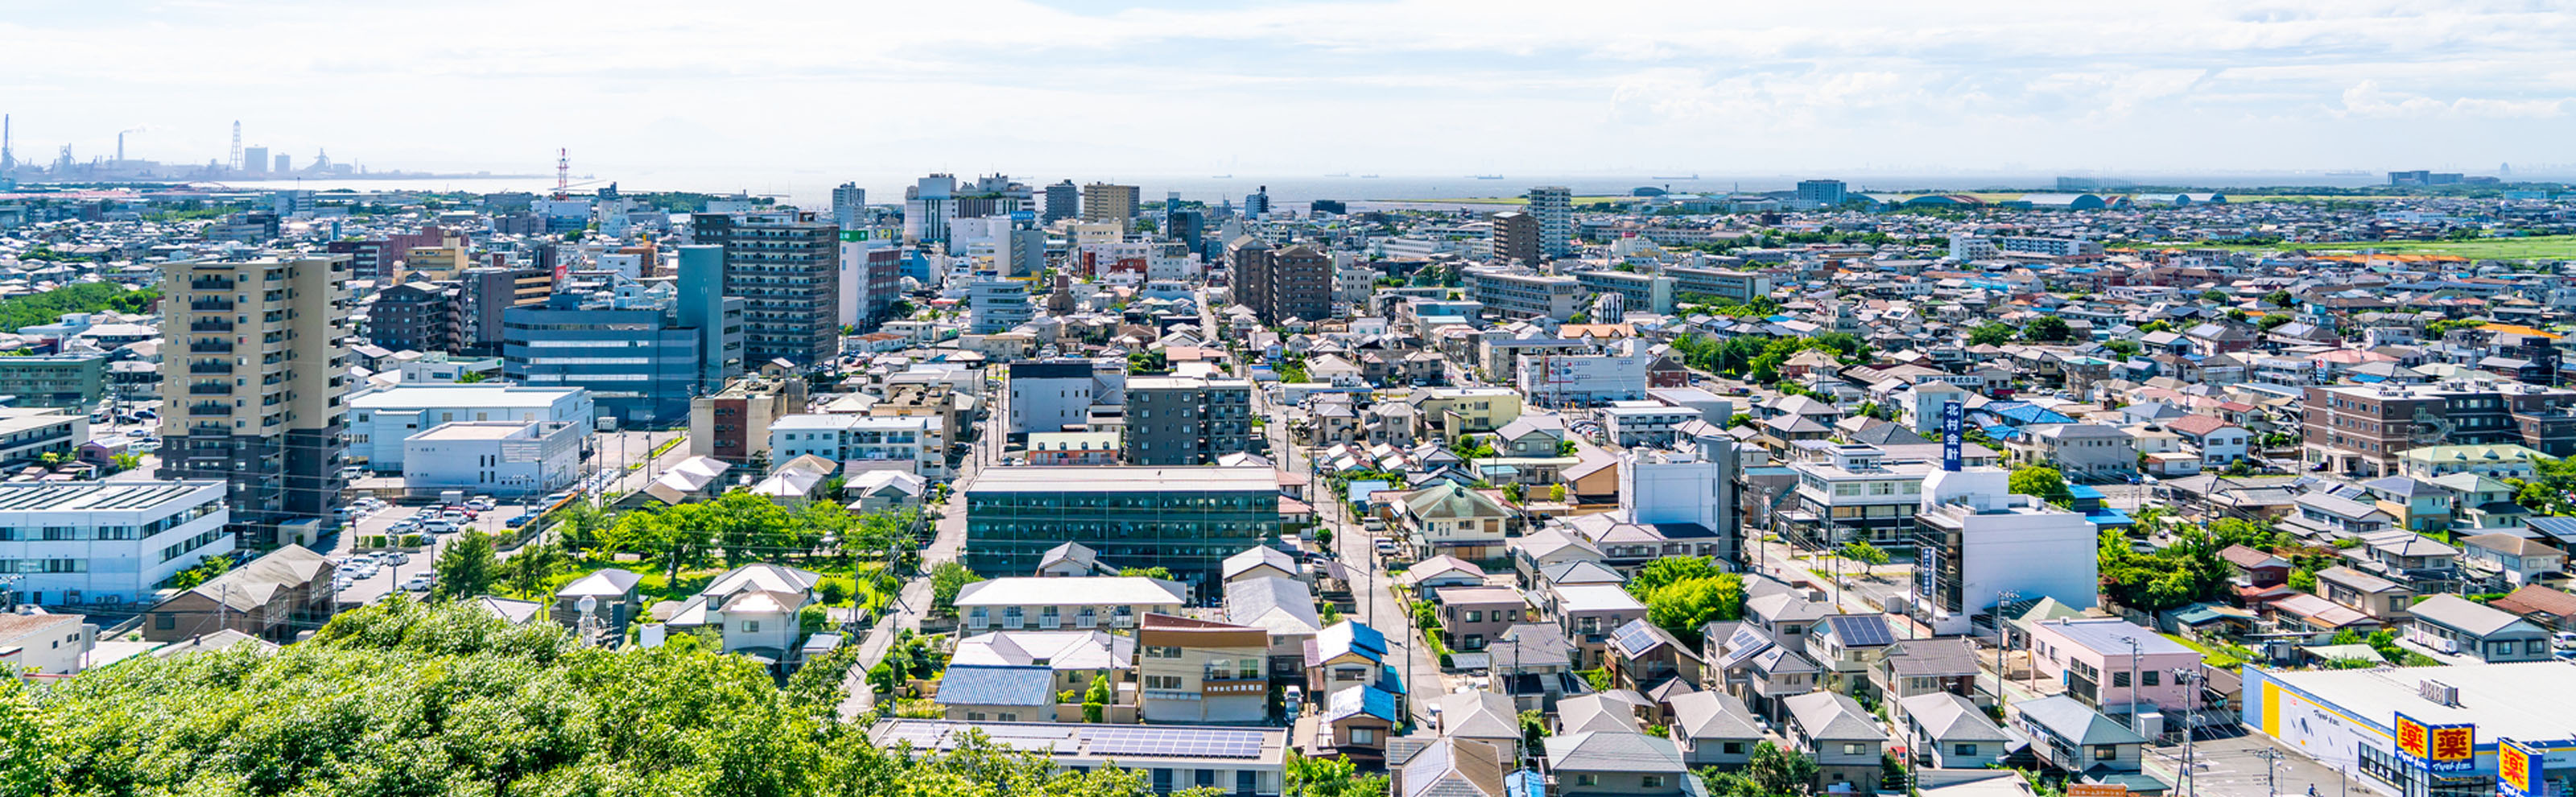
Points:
point(563, 174)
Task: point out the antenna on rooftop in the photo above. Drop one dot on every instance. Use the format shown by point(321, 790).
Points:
point(236, 156)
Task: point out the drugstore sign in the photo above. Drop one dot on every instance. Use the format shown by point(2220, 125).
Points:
point(2436, 748)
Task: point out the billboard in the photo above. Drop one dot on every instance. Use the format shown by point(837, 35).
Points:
point(1953, 414)
point(2436, 748)
point(2518, 770)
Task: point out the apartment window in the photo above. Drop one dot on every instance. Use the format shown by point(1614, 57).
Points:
point(1963, 750)
point(1162, 652)
point(1364, 736)
point(1851, 748)
point(2106, 753)
point(751, 626)
point(1732, 748)
point(2150, 677)
point(2119, 679)
point(1587, 780)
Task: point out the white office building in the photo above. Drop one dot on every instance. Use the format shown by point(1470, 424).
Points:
point(890, 442)
point(1978, 541)
point(1049, 395)
point(996, 304)
point(107, 543)
point(503, 459)
point(379, 422)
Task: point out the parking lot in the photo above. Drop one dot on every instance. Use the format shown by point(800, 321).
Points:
point(391, 576)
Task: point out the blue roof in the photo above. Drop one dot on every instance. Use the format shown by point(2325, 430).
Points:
point(2029, 414)
point(1359, 700)
point(1525, 783)
point(2083, 491)
point(992, 685)
point(1390, 680)
point(2106, 516)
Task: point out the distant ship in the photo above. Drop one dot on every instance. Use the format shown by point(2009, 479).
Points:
point(1486, 176)
point(1691, 177)
point(1368, 177)
point(1220, 177)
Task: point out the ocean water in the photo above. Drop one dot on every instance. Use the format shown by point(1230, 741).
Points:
point(811, 188)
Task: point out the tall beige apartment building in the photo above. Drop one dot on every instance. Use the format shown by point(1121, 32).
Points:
point(254, 381)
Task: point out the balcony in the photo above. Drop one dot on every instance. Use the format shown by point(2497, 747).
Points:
point(210, 408)
point(210, 367)
point(210, 285)
point(210, 325)
point(210, 346)
point(210, 389)
point(211, 304)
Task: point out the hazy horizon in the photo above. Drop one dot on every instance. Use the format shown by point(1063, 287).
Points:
point(1094, 89)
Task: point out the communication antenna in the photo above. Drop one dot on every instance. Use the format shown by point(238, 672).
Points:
point(563, 174)
point(236, 157)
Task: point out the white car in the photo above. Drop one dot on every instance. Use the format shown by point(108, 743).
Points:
point(421, 582)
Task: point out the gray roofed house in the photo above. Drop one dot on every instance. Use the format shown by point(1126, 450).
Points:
point(978, 692)
point(1452, 767)
point(1073, 559)
point(2452, 624)
point(1478, 714)
point(615, 599)
point(1595, 712)
point(1714, 729)
point(1841, 736)
point(2071, 736)
point(1946, 731)
point(1920, 666)
point(1260, 560)
point(1617, 762)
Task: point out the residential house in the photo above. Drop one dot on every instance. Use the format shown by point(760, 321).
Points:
point(1260, 561)
point(615, 599)
point(1534, 666)
point(1441, 572)
point(1451, 767)
point(1000, 693)
point(2516, 559)
point(2260, 569)
point(1355, 723)
point(1840, 736)
point(1603, 763)
point(273, 597)
point(1471, 618)
point(1076, 657)
point(1946, 731)
point(1587, 614)
point(1201, 671)
point(1714, 729)
point(2097, 661)
point(1454, 520)
point(2220, 443)
point(1481, 716)
point(2553, 609)
point(39, 643)
point(2418, 505)
point(1285, 607)
point(1850, 646)
point(2083, 451)
point(1924, 666)
point(753, 607)
point(1643, 656)
point(2456, 625)
point(2071, 737)
point(2383, 600)
point(1072, 560)
point(1546, 548)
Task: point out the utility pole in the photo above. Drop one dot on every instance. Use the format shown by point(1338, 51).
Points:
point(2189, 677)
point(2270, 758)
point(2003, 639)
point(2136, 718)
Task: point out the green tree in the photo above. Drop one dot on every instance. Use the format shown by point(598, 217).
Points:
point(1095, 700)
point(530, 573)
point(1990, 334)
point(1862, 552)
point(2042, 482)
point(121, 463)
point(1534, 730)
point(1721, 783)
point(467, 567)
point(2279, 298)
point(2213, 296)
point(1157, 571)
point(1330, 777)
point(1556, 493)
point(27, 760)
point(2048, 328)
point(1669, 570)
point(1781, 772)
point(470, 377)
point(946, 578)
point(1684, 607)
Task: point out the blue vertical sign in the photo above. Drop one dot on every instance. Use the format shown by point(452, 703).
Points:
point(1952, 415)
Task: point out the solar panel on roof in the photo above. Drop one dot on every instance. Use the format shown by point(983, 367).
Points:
point(1167, 742)
point(1862, 630)
point(1742, 646)
point(1634, 637)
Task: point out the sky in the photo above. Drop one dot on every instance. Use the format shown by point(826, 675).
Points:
point(1400, 87)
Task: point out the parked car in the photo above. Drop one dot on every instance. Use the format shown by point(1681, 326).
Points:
point(397, 558)
point(421, 582)
point(440, 526)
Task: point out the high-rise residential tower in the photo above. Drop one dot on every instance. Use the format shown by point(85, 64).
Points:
point(787, 272)
point(254, 395)
point(1516, 238)
point(1553, 206)
point(1109, 202)
point(1063, 201)
point(849, 202)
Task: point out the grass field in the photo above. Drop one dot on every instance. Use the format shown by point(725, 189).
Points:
point(2537, 247)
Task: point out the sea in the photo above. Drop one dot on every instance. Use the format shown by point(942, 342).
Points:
point(810, 188)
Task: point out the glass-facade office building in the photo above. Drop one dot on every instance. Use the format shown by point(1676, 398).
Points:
point(1185, 519)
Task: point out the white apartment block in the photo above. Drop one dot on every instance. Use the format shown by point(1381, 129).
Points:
point(909, 441)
